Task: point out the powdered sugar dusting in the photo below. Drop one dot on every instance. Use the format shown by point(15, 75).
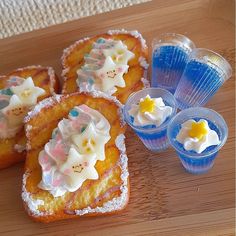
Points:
point(145, 82)
point(51, 74)
point(67, 51)
point(134, 33)
point(143, 63)
point(52, 77)
point(42, 104)
point(19, 148)
point(32, 204)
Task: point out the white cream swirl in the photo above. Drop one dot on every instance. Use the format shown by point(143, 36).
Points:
point(204, 136)
point(104, 66)
point(15, 102)
point(156, 116)
point(69, 158)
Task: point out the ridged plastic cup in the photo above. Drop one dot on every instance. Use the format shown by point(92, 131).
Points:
point(170, 53)
point(155, 139)
point(205, 73)
point(193, 162)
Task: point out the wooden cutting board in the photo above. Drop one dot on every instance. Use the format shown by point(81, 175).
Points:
point(164, 200)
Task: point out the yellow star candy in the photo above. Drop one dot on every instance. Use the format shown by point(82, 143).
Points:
point(147, 105)
point(198, 130)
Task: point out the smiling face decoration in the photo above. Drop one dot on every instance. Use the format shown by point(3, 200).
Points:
point(70, 157)
point(105, 66)
point(15, 102)
point(111, 75)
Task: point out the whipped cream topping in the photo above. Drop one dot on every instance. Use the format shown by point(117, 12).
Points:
point(197, 136)
point(104, 66)
point(15, 102)
point(150, 111)
point(69, 158)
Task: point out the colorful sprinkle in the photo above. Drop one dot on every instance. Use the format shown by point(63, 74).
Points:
point(83, 129)
point(74, 113)
point(56, 182)
point(101, 40)
point(54, 133)
point(91, 81)
point(6, 92)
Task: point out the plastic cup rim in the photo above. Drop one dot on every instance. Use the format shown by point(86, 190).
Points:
point(229, 68)
point(191, 45)
point(150, 130)
point(197, 155)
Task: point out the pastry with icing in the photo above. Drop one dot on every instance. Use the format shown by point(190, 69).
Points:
point(114, 63)
point(76, 160)
point(19, 93)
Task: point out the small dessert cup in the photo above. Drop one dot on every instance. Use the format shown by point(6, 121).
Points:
point(170, 53)
point(153, 137)
point(205, 73)
point(193, 162)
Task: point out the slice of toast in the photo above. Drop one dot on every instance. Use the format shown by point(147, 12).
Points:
point(12, 149)
point(108, 194)
point(135, 78)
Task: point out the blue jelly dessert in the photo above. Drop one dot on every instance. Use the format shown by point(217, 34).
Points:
point(203, 76)
point(148, 112)
point(197, 134)
point(168, 64)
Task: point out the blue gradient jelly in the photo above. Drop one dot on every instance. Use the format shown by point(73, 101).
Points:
point(156, 141)
point(193, 164)
point(198, 84)
point(168, 64)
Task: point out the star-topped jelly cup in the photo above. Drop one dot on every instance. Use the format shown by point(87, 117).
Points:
point(148, 112)
point(197, 134)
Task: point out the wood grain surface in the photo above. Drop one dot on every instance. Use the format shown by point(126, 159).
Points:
point(165, 200)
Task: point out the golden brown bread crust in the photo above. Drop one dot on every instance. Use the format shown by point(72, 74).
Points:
point(73, 59)
point(93, 193)
point(43, 77)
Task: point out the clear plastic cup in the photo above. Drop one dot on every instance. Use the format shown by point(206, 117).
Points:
point(193, 162)
point(204, 74)
point(170, 53)
point(154, 138)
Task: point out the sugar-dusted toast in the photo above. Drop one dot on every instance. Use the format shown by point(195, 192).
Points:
point(73, 59)
point(12, 149)
point(108, 193)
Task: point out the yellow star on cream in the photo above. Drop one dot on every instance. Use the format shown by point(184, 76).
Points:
point(90, 141)
point(15, 111)
point(111, 75)
point(119, 53)
point(79, 168)
point(198, 130)
point(27, 92)
point(147, 105)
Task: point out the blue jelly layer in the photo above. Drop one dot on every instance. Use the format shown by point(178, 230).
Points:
point(198, 162)
point(155, 135)
point(202, 78)
point(180, 146)
point(168, 64)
